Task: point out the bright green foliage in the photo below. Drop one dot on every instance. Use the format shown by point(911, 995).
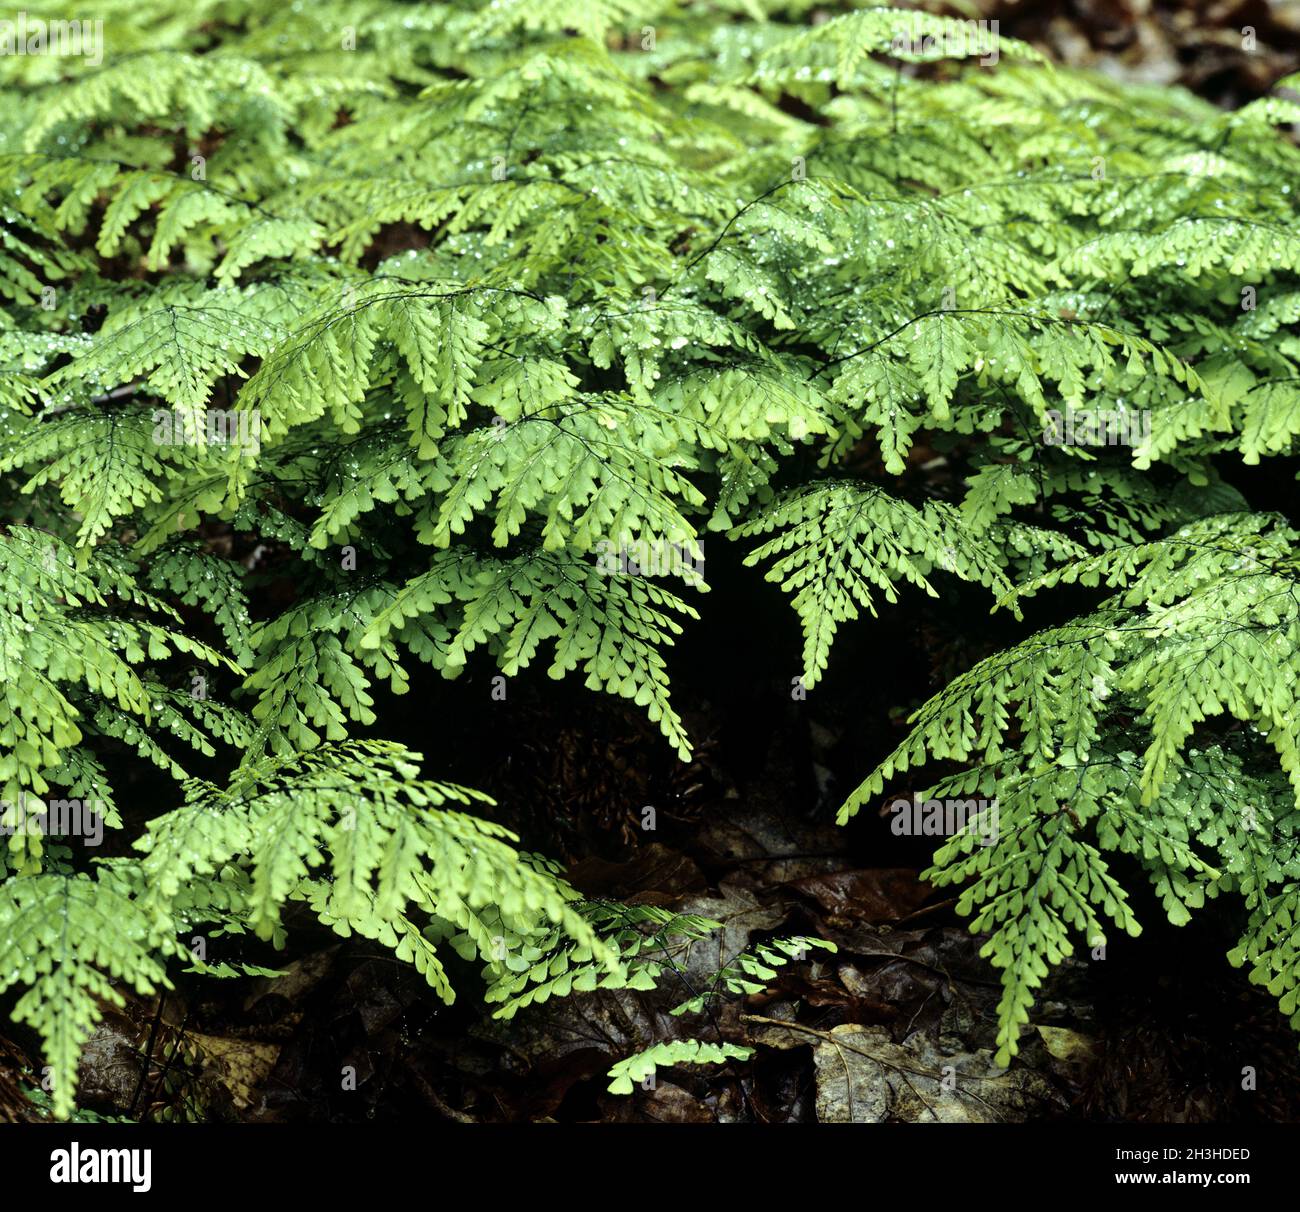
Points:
point(73, 668)
point(543, 964)
point(669, 937)
point(67, 938)
point(1205, 624)
point(750, 971)
point(608, 623)
point(558, 366)
point(416, 325)
point(840, 540)
point(644, 1064)
point(350, 830)
point(390, 843)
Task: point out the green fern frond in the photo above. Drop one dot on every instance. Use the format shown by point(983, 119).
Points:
point(67, 939)
point(841, 540)
point(643, 1065)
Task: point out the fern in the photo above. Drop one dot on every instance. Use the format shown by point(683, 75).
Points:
point(68, 938)
point(534, 967)
point(842, 540)
point(401, 865)
point(749, 971)
point(643, 1065)
point(320, 353)
point(1203, 626)
point(745, 973)
point(73, 669)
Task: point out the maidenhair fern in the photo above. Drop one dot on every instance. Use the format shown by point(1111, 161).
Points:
point(642, 1067)
point(747, 972)
point(462, 332)
point(1205, 625)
